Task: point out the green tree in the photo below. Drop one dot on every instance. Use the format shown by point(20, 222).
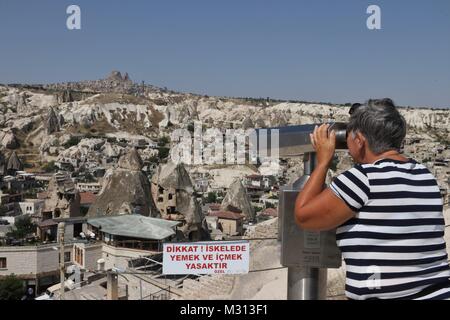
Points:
point(30, 193)
point(11, 288)
point(163, 152)
point(23, 227)
point(163, 141)
point(111, 139)
point(3, 211)
point(88, 177)
point(257, 209)
point(49, 167)
point(211, 198)
point(269, 205)
point(73, 141)
point(153, 159)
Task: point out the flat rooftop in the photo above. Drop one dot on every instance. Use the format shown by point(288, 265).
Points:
point(135, 226)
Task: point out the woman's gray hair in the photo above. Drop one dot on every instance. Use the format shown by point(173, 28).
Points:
point(381, 123)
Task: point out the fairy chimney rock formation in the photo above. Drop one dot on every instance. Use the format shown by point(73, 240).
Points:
point(174, 196)
point(131, 161)
point(237, 199)
point(52, 123)
point(14, 164)
point(2, 165)
point(63, 199)
point(125, 190)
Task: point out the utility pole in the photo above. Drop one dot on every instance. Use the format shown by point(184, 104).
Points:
point(140, 287)
point(112, 285)
point(61, 230)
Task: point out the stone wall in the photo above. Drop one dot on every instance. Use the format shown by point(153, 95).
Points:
point(119, 257)
point(31, 261)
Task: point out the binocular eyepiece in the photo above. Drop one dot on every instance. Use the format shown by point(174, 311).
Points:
point(341, 134)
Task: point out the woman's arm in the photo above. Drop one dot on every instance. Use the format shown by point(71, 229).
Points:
point(315, 208)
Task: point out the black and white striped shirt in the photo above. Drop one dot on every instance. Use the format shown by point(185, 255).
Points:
point(394, 247)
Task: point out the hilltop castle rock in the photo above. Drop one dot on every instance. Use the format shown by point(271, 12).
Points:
point(114, 82)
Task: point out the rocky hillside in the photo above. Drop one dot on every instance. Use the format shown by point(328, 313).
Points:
point(39, 121)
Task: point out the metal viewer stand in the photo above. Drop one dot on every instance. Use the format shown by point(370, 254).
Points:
point(307, 254)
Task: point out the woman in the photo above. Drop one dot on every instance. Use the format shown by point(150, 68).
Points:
point(388, 210)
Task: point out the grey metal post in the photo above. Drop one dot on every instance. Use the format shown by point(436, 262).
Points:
point(307, 254)
point(307, 283)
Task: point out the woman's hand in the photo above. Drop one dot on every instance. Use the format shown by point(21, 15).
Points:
point(324, 144)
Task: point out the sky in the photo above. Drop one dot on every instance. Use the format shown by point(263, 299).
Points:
point(317, 50)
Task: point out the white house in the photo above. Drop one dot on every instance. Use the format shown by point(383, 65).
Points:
point(31, 207)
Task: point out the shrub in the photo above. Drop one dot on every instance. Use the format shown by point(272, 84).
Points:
point(23, 227)
point(11, 288)
point(73, 141)
point(211, 198)
point(163, 152)
point(269, 205)
point(163, 141)
point(50, 167)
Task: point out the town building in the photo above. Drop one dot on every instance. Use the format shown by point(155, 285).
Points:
point(93, 187)
point(230, 223)
point(32, 207)
point(133, 231)
point(62, 198)
point(174, 196)
point(86, 201)
point(8, 203)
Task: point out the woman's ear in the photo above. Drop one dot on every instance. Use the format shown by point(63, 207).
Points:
point(360, 140)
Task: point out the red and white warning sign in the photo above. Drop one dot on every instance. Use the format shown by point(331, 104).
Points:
point(227, 257)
